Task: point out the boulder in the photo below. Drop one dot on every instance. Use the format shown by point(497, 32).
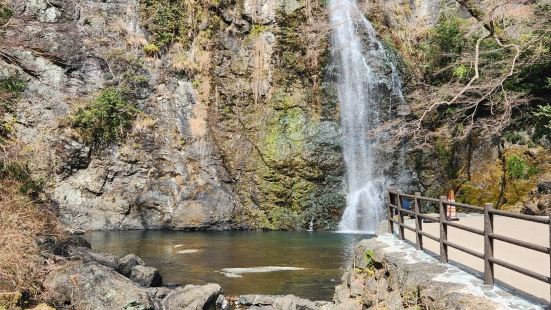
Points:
point(544, 202)
point(357, 286)
point(62, 247)
point(342, 293)
point(127, 263)
point(544, 187)
point(222, 303)
point(42, 307)
point(279, 302)
point(349, 304)
point(146, 276)
point(87, 255)
point(88, 285)
point(394, 301)
point(159, 292)
point(193, 297)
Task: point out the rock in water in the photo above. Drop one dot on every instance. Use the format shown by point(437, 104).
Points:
point(92, 286)
point(128, 263)
point(193, 297)
point(146, 276)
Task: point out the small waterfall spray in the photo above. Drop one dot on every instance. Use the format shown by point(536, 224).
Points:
point(366, 78)
point(311, 226)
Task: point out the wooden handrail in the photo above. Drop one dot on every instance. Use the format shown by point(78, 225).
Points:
point(531, 218)
point(395, 207)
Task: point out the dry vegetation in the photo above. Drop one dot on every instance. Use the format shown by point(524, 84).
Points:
point(475, 76)
point(22, 267)
point(23, 217)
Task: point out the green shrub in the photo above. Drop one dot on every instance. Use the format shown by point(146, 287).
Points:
point(151, 49)
point(448, 37)
point(106, 119)
point(10, 89)
point(20, 172)
point(543, 116)
point(461, 72)
point(13, 84)
point(519, 169)
point(443, 46)
point(369, 256)
point(257, 30)
point(5, 14)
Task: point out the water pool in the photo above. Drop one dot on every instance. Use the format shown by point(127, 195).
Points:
point(313, 261)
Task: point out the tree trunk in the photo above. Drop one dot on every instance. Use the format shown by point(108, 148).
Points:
point(473, 7)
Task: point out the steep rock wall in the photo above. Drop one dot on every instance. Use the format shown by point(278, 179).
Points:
point(237, 124)
point(274, 117)
point(165, 174)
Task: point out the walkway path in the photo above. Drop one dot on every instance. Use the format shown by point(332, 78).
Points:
point(519, 229)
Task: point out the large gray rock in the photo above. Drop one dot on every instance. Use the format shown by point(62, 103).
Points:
point(146, 276)
point(397, 276)
point(278, 302)
point(193, 297)
point(127, 264)
point(87, 255)
point(92, 286)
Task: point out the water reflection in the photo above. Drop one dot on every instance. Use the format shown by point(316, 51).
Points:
point(199, 257)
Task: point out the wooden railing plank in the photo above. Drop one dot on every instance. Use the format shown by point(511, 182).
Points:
point(464, 249)
point(463, 227)
point(531, 218)
point(400, 216)
point(520, 243)
point(390, 213)
point(488, 245)
point(518, 269)
point(418, 222)
point(443, 231)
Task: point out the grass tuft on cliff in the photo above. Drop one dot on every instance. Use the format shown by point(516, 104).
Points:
point(106, 119)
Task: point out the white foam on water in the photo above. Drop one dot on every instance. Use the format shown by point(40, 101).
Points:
point(237, 272)
point(188, 251)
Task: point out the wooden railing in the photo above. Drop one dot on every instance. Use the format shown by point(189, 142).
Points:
point(395, 207)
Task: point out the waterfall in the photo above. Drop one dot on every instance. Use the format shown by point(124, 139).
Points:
point(367, 78)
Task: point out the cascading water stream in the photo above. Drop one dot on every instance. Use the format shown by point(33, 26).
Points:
point(362, 67)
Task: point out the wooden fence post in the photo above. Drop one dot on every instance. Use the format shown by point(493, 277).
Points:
point(418, 222)
point(400, 216)
point(390, 213)
point(443, 230)
point(488, 245)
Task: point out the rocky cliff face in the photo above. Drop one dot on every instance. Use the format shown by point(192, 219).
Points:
point(166, 173)
point(274, 117)
point(236, 126)
point(236, 122)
